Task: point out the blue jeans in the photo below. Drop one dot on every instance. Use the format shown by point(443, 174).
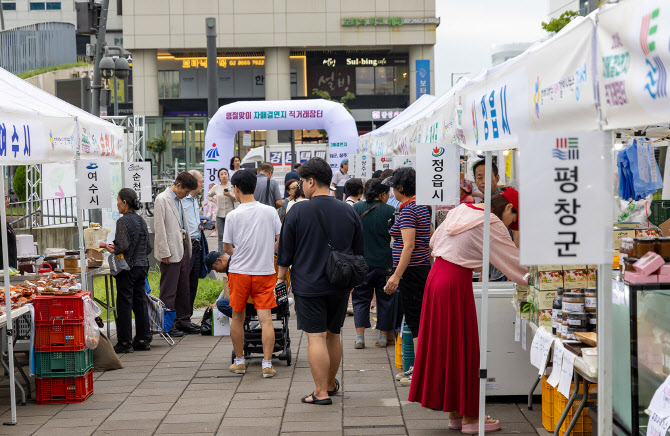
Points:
point(223, 305)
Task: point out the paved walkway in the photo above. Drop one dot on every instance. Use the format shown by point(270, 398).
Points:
point(187, 389)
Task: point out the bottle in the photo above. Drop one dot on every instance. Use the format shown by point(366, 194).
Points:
point(556, 311)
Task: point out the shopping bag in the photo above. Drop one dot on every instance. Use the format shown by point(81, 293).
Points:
point(156, 314)
point(117, 265)
point(206, 324)
point(220, 324)
point(168, 320)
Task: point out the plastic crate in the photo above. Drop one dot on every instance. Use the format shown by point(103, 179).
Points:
point(659, 212)
point(59, 337)
point(62, 390)
point(65, 309)
point(63, 363)
point(549, 418)
point(583, 427)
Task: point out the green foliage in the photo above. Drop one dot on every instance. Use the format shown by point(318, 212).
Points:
point(556, 24)
point(344, 100)
point(38, 71)
point(158, 146)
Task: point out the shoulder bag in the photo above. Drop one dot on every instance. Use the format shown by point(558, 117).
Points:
point(344, 271)
point(370, 210)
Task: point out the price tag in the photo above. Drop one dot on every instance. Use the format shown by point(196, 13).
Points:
point(524, 324)
point(517, 329)
point(567, 368)
point(657, 426)
point(660, 402)
point(556, 369)
point(547, 342)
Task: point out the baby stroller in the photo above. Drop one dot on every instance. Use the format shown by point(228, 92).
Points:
point(253, 343)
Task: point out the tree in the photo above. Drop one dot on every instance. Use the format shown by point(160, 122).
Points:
point(556, 24)
point(158, 146)
point(344, 100)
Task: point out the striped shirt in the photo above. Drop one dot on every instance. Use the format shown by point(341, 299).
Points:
point(412, 216)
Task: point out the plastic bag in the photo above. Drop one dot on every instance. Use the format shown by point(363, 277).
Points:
point(206, 325)
point(91, 330)
point(117, 265)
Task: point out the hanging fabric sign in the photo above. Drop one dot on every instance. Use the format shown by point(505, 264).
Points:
point(138, 178)
point(93, 184)
point(565, 196)
point(439, 166)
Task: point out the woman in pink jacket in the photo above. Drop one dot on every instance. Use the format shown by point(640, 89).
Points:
point(446, 367)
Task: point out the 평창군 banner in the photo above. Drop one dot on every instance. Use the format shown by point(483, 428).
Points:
point(633, 63)
point(565, 196)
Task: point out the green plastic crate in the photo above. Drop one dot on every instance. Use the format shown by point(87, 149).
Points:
point(63, 363)
point(659, 212)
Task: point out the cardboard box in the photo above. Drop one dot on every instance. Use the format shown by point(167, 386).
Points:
point(591, 278)
point(521, 293)
point(543, 300)
point(575, 279)
point(549, 280)
point(569, 267)
point(646, 232)
point(523, 309)
point(549, 268)
point(544, 318)
point(622, 233)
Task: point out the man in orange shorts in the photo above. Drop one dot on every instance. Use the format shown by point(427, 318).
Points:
point(253, 229)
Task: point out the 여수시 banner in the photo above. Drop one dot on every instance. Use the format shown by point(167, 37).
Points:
point(566, 198)
point(93, 184)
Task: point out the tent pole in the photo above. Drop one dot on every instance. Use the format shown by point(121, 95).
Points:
point(82, 249)
point(604, 349)
point(8, 298)
point(483, 343)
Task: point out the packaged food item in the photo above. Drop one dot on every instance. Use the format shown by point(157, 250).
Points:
point(593, 321)
point(564, 325)
point(646, 232)
point(573, 302)
point(575, 279)
point(620, 233)
point(627, 246)
point(570, 333)
point(557, 311)
point(649, 263)
point(663, 247)
point(590, 299)
point(591, 278)
point(578, 320)
point(549, 280)
point(639, 278)
point(26, 265)
point(642, 246)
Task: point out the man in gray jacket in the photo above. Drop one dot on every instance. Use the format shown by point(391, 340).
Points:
point(172, 248)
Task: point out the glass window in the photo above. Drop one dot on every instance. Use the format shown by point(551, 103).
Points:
point(365, 81)
point(168, 84)
point(8, 6)
point(37, 6)
point(401, 80)
point(53, 6)
point(384, 81)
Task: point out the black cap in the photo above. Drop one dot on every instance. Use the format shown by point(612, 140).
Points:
point(211, 257)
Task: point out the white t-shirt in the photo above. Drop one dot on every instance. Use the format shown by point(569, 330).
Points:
point(252, 228)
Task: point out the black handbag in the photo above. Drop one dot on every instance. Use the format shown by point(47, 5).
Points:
point(344, 271)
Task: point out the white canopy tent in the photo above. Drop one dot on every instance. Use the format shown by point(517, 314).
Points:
point(39, 128)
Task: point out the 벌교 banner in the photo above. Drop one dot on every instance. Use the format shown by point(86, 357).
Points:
point(93, 184)
point(633, 64)
point(566, 198)
point(138, 178)
point(439, 166)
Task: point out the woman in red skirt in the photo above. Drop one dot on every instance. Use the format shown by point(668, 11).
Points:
point(446, 366)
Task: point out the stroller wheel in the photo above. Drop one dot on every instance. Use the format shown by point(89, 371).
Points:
point(288, 356)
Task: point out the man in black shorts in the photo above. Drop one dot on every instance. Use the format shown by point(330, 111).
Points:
point(320, 307)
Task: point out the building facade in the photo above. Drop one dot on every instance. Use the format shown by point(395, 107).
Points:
point(380, 51)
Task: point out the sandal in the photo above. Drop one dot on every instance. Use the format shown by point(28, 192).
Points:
point(323, 402)
point(456, 423)
point(336, 390)
point(473, 428)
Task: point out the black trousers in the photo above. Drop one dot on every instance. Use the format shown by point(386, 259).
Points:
point(411, 288)
point(131, 296)
point(175, 288)
point(196, 262)
point(361, 298)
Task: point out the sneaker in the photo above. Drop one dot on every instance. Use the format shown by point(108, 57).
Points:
point(240, 369)
point(405, 374)
point(381, 344)
point(269, 372)
point(176, 333)
point(141, 346)
point(359, 345)
point(406, 381)
point(123, 348)
point(189, 330)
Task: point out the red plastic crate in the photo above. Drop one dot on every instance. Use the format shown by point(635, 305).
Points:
point(65, 309)
point(59, 337)
point(61, 390)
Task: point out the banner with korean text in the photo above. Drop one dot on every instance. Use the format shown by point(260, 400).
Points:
point(566, 195)
point(26, 139)
point(633, 64)
point(138, 178)
point(439, 167)
point(383, 163)
point(93, 184)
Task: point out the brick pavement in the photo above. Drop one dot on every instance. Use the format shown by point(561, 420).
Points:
point(187, 389)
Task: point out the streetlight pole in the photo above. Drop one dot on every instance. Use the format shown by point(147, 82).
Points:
point(212, 68)
point(2, 17)
point(97, 79)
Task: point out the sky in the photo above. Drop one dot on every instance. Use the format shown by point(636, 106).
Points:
point(469, 28)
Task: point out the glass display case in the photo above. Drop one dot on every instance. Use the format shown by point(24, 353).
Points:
point(641, 351)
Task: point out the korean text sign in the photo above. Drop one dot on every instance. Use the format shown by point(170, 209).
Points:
point(438, 173)
point(422, 77)
point(383, 163)
point(93, 184)
point(364, 165)
point(138, 178)
point(566, 198)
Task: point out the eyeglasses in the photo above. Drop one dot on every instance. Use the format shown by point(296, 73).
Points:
point(293, 188)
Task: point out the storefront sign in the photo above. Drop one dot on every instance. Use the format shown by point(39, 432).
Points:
point(187, 63)
point(384, 163)
point(439, 166)
point(366, 62)
point(388, 21)
point(384, 115)
point(422, 77)
point(138, 178)
point(566, 195)
point(364, 163)
point(93, 184)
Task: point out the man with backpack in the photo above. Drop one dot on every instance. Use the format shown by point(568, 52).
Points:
point(303, 245)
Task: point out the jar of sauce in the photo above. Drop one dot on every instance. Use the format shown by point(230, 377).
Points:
point(564, 325)
point(570, 335)
point(627, 246)
point(557, 312)
point(573, 302)
point(590, 300)
point(643, 245)
point(593, 321)
point(663, 246)
point(26, 265)
point(71, 261)
point(52, 260)
point(578, 320)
